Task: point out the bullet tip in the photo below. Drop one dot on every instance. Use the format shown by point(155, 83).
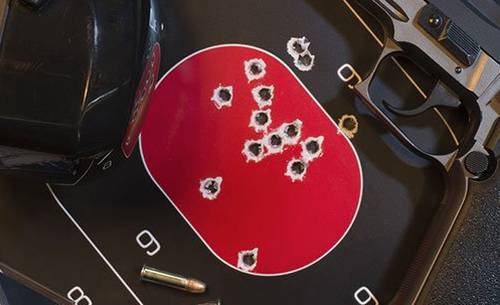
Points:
point(195, 286)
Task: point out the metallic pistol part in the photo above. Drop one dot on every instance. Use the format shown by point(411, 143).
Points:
point(176, 281)
point(474, 85)
point(468, 77)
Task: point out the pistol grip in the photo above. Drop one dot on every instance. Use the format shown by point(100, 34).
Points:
point(468, 268)
point(462, 239)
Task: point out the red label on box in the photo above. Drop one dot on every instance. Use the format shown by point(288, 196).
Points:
point(141, 101)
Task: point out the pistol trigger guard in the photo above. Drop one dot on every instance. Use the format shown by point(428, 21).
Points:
point(362, 89)
point(441, 95)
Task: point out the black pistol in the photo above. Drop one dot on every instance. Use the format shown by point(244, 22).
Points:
point(468, 77)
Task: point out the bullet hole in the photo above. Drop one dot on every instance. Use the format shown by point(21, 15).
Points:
point(260, 120)
point(312, 148)
point(274, 143)
point(291, 132)
point(253, 150)
point(297, 46)
point(225, 95)
point(305, 62)
point(255, 69)
point(263, 95)
point(222, 96)
point(210, 187)
point(275, 140)
point(247, 259)
point(296, 169)
point(348, 125)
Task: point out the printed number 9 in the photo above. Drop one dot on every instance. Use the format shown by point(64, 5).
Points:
point(151, 241)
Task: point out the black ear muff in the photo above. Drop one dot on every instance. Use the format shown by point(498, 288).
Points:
point(69, 73)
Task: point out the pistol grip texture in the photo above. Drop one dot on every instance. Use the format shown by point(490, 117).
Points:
point(468, 270)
